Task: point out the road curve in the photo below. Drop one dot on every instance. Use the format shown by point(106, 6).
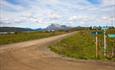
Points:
point(35, 55)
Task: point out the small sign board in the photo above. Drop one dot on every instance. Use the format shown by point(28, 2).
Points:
point(111, 35)
point(96, 33)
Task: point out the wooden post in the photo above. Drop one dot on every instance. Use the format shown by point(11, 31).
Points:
point(105, 45)
point(113, 50)
point(97, 49)
point(112, 53)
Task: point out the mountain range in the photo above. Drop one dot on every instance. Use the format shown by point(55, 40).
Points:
point(48, 28)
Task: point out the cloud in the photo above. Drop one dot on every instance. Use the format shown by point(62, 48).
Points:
point(54, 16)
point(107, 20)
point(80, 19)
point(6, 6)
point(108, 2)
point(31, 13)
point(52, 1)
point(73, 19)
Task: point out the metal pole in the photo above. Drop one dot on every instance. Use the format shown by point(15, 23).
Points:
point(105, 45)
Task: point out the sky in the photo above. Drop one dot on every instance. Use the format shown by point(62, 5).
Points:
point(41, 13)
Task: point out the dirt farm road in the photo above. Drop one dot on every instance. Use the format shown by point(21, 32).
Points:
point(35, 55)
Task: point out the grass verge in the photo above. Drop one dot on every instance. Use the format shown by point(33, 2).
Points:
point(82, 46)
point(24, 36)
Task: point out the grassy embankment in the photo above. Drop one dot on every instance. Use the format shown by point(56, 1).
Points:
point(82, 46)
point(24, 36)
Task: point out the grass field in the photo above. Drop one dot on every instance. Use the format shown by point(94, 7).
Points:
point(24, 36)
point(82, 46)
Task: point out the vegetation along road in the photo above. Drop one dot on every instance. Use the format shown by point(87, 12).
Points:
point(35, 55)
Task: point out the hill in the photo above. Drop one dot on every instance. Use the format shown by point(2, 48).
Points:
point(14, 29)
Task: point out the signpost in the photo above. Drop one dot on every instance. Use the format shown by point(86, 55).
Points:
point(97, 45)
point(96, 33)
point(111, 35)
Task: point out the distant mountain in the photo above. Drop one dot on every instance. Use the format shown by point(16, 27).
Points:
point(14, 29)
point(57, 27)
point(50, 27)
point(40, 29)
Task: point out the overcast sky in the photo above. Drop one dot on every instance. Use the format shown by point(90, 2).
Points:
point(41, 13)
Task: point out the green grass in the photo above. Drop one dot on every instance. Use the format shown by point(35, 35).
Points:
point(82, 46)
point(19, 37)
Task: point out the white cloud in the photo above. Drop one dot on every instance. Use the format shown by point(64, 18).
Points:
point(107, 20)
point(52, 1)
point(48, 11)
point(81, 19)
point(108, 2)
point(73, 19)
point(54, 16)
